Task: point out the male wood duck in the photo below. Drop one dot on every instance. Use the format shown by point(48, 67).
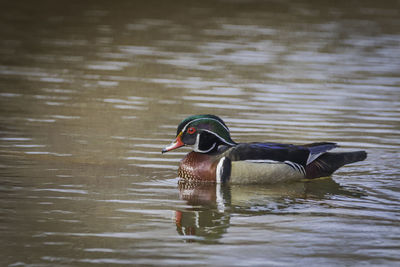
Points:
point(217, 158)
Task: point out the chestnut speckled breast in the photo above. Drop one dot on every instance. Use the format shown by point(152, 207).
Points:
point(198, 166)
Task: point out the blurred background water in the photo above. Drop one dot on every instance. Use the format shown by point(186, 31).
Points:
point(90, 91)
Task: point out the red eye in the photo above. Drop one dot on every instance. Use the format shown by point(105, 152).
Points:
point(191, 130)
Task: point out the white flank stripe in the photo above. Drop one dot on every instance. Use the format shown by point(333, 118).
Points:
point(219, 170)
point(296, 166)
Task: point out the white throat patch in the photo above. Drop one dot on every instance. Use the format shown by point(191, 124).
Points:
point(196, 146)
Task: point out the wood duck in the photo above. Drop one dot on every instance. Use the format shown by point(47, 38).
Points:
point(217, 158)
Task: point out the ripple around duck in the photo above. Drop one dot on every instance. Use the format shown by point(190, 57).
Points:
point(58, 190)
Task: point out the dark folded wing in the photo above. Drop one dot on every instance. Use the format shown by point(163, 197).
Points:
point(279, 152)
point(269, 151)
point(317, 149)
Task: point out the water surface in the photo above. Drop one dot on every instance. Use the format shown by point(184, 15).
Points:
point(91, 92)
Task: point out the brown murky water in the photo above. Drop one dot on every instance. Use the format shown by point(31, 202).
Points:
point(91, 91)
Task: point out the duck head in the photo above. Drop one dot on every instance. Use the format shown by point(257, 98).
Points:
point(202, 132)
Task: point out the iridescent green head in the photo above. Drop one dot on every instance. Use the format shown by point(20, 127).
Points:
point(203, 132)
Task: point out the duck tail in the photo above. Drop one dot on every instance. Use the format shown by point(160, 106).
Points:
point(329, 162)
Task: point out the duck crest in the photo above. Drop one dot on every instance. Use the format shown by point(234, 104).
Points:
point(198, 166)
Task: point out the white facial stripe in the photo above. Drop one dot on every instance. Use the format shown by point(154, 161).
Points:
point(196, 146)
point(222, 139)
point(187, 124)
point(196, 149)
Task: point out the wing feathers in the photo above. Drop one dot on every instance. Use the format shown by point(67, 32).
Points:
point(317, 149)
point(263, 152)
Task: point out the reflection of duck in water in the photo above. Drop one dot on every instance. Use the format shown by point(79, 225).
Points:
point(209, 216)
point(217, 158)
point(207, 219)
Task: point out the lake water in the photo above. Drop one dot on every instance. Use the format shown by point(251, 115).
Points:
point(91, 91)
